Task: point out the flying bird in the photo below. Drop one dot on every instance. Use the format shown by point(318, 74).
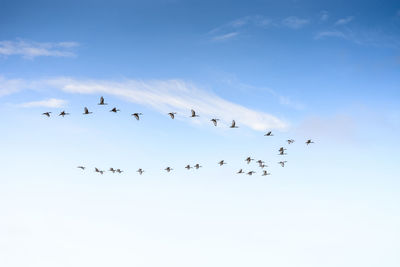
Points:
point(140, 171)
point(115, 110)
point(240, 171)
point(81, 167)
point(197, 166)
point(309, 142)
point(222, 162)
point(251, 173)
point(262, 166)
point(233, 125)
point(86, 111)
point(119, 171)
point(248, 159)
point(99, 171)
point(290, 141)
point(172, 115)
point(63, 113)
point(265, 173)
point(282, 151)
point(47, 114)
point(269, 134)
point(168, 169)
point(194, 114)
point(214, 121)
point(282, 163)
point(188, 167)
point(112, 170)
point(102, 101)
point(136, 115)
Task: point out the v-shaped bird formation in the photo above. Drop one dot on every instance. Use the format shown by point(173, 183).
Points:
point(197, 166)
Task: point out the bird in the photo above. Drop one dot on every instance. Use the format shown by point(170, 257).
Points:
point(197, 166)
point(214, 121)
point(248, 159)
point(81, 167)
point(222, 162)
point(260, 162)
point(112, 170)
point(309, 142)
point(115, 110)
point(290, 141)
point(63, 113)
point(262, 166)
point(99, 171)
point(140, 171)
point(102, 101)
point(136, 115)
point(282, 163)
point(265, 173)
point(119, 171)
point(172, 115)
point(194, 114)
point(240, 171)
point(46, 114)
point(233, 125)
point(282, 151)
point(188, 167)
point(168, 169)
point(269, 134)
point(251, 173)
point(86, 111)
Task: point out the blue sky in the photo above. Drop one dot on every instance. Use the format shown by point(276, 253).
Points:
point(328, 71)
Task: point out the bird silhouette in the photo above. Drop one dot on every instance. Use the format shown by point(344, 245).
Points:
point(112, 170)
point(188, 167)
point(102, 101)
point(222, 162)
point(119, 171)
point(265, 173)
point(309, 142)
point(214, 121)
point(233, 125)
point(194, 114)
point(115, 110)
point(46, 114)
point(248, 160)
point(136, 115)
point(140, 171)
point(269, 134)
point(240, 171)
point(282, 163)
point(168, 169)
point(282, 151)
point(197, 166)
point(251, 173)
point(86, 111)
point(81, 167)
point(63, 113)
point(290, 141)
point(99, 171)
point(262, 166)
point(172, 115)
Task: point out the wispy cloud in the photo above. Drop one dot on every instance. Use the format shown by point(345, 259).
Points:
point(324, 34)
point(226, 36)
point(30, 49)
point(48, 103)
point(10, 86)
point(324, 15)
point(165, 96)
point(344, 21)
point(295, 22)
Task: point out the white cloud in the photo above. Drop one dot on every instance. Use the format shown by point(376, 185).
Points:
point(344, 21)
point(324, 15)
point(10, 86)
point(324, 34)
point(225, 36)
point(30, 49)
point(48, 103)
point(295, 22)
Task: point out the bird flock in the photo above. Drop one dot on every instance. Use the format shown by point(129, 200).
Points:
point(137, 115)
